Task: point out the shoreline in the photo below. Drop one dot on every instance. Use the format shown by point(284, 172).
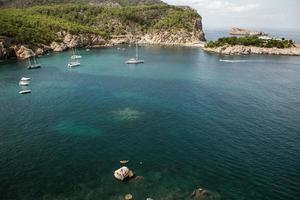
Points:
point(249, 50)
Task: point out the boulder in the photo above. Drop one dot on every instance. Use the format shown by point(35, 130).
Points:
point(123, 173)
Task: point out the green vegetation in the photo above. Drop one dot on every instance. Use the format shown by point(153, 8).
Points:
point(29, 3)
point(250, 41)
point(40, 24)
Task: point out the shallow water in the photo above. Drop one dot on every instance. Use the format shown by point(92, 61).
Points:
point(184, 119)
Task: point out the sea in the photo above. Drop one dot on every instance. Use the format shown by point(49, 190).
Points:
point(185, 119)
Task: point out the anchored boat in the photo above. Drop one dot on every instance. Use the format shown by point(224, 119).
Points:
point(33, 66)
point(25, 92)
point(135, 60)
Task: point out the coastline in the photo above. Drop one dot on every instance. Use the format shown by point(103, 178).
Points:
point(247, 50)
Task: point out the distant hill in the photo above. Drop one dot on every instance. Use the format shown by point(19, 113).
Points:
point(28, 3)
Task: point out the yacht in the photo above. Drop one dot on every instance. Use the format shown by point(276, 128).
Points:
point(25, 79)
point(24, 83)
point(75, 56)
point(73, 64)
point(25, 91)
point(33, 66)
point(135, 60)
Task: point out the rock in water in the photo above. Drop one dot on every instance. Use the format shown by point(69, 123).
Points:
point(202, 194)
point(123, 173)
point(128, 197)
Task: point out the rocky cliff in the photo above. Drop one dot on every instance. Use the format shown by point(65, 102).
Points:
point(43, 29)
point(245, 32)
point(246, 50)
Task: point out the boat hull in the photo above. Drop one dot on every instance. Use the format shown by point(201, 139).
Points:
point(34, 66)
point(135, 61)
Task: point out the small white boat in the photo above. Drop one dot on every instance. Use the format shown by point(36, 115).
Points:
point(35, 65)
point(76, 57)
point(135, 60)
point(24, 83)
point(73, 64)
point(25, 79)
point(25, 91)
point(87, 49)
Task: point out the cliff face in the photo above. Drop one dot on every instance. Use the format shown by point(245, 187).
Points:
point(245, 32)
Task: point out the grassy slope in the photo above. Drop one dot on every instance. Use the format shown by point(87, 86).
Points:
point(39, 24)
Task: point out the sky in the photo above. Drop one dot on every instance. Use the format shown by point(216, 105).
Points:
point(260, 14)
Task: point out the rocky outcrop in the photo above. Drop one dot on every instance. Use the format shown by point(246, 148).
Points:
point(246, 50)
point(245, 32)
point(6, 49)
point(23, 52)
point(55, 46)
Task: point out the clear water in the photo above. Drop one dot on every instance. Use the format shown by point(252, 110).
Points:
point(184, 119)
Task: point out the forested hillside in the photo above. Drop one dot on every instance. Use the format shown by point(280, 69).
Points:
point(39, 24)
point(27, 3)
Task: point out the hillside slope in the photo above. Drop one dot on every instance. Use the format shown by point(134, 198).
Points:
point(28, 3)
point(61, 26)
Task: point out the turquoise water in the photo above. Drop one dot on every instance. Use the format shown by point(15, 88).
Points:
point(184, 119)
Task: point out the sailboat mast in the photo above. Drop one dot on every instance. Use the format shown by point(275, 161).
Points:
point(136, 51)
point(34, 60)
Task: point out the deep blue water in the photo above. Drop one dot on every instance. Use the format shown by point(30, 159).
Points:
point(184, 119)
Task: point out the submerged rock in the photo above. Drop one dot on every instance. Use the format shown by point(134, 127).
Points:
point(202, 194)
point(128, 114)
point(128, 197)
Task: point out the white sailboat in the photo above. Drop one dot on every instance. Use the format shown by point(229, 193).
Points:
point(135, 60)
point(25, 91)
point(75, 55)
point(25, 79)
point(33, 66)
